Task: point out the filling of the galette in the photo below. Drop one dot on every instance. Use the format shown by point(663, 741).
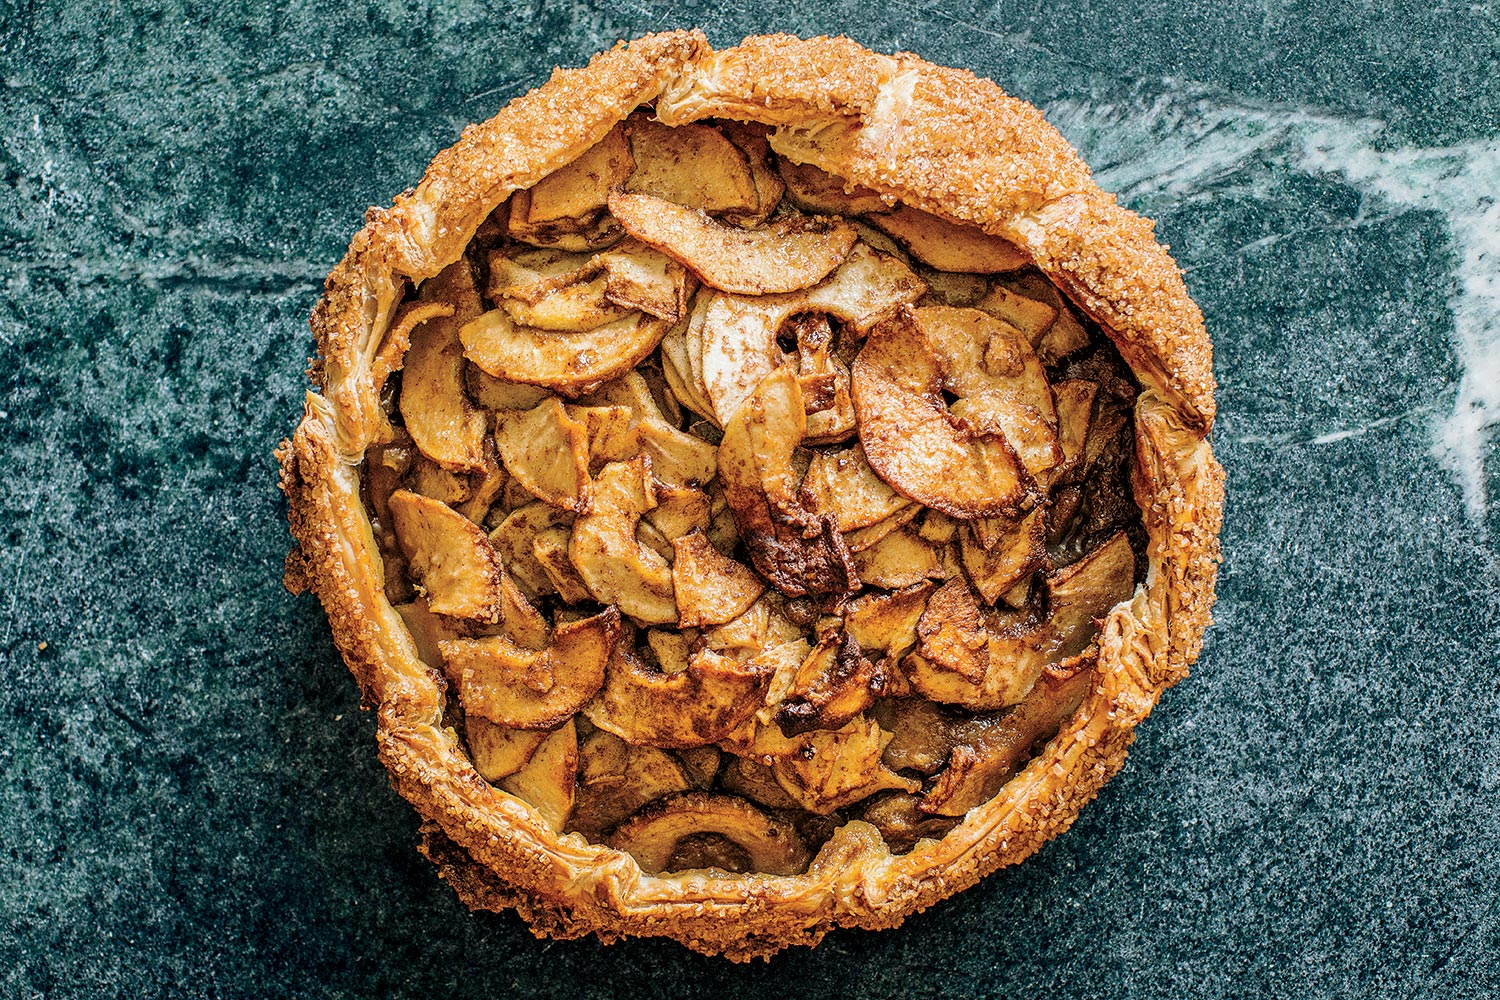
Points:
point(736, 503)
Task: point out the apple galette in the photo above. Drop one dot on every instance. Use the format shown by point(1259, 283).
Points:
point(759, 491)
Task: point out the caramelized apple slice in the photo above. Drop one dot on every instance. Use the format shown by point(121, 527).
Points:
point(1030, 316)
point(900, 559)
point(499, 752)
point(658, 833)
point(989, 750)
point(1064, 335)
point(616, 779)
point(439, 417)
point(1075, 415)
point(1085, 591)
point(830, 770)
point(692, 165)
point(533, 689)
point(514, 541)
point(639, 277)
point(843, 484)
point(786, 255)
point(1000, 383)
point(831, 686)
point(613, 564)
point(997, 567)
point(949, 246)
point(731, 341)
point(815, 190)
point(961, 660)
point(689, 708)
point(529, 275)
point(546, 782)
point(569, 363)
point(917, 446)
point(580, 189)
point(711, 588)
point(547, 452)
point(750, 137)
point(449, 555)
point(888, 621)
point(799, 552)
point(572, 308)
point(902, 823)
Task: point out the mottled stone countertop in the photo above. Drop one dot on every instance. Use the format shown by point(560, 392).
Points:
point(190, 803)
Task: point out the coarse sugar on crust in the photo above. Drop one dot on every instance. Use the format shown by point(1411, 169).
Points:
point(939, 139)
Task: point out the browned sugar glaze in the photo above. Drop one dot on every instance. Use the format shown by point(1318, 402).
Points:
point(735, 504)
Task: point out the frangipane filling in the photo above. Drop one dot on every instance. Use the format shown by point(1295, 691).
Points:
point(737, 503)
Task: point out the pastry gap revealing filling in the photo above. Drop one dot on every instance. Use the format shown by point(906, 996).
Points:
point(736, 504)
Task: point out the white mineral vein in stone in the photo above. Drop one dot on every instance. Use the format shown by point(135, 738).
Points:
point(1189, 144)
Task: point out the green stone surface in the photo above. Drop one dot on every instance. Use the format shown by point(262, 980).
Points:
point(190, 804)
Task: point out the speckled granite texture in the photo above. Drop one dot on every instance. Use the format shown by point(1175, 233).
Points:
point(190, 804)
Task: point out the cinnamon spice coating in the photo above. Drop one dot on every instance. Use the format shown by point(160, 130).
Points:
point(940, 139)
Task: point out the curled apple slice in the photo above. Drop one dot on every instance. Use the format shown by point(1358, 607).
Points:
point(711, 588)
point(438, 415)
point(961, 660)
point(786, 255)
point(547, 781)
point(450, 556)
point(831, 769)
point(843, 484)
point(528, 688)
point(816, 190)
point(688, 708)
point(616, 779)
point(949, 246)
point(800, 552)
point(569, 363)
point(691, 165)
point(547, 452)
point(572, 308)
point(1019, 549)
point(915, 444)
point(832, 685)
point(613, 564)
point(662, 836)
point(638, 277)
point(497, 751)
point(731, 343)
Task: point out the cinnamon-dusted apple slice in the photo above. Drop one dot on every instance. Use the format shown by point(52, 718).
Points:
point(762, 628)
point(573, 308)
point(843, 484)
point(676, 458)
point(731, 342)
point(816, 190)
point(902, 823)
point(961, 660)
point(689, 708)
point(996, 567)
point(949, 246)
point(921, 734)
point(552, 550)
point(569, 363)
point(1032, 317)
point(832, 769)
point(637, 276)
point(1085, 591)
point(798, 551)
point(785, 255)
point(613, 564)
point(498, 751)
point(824, 378)
point(397, 340)
point(679, 510)
point(1064, 335)
point(692, 165)
point(493, 393)
point(438, 415)
point(527, 274)
point(1075, 414)
point(832, 685)
point(900, 559)
point(861, 539)
point(888, 621)
point(750, 137)
point(915, 444)
point(547, 781)
point(989, 750)
point(611, 431)
point(547, 452)
point(529, 688)
point(999, 381)
point(616, 779)
point(514, 540)
point(450, 557)
point(753, 780)
point(711, 588)
point(659, 833)
point(581, 188)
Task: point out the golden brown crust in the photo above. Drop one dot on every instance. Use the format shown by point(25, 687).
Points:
point(936, 138)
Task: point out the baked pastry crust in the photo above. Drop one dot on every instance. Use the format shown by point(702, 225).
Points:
point(936, 138)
